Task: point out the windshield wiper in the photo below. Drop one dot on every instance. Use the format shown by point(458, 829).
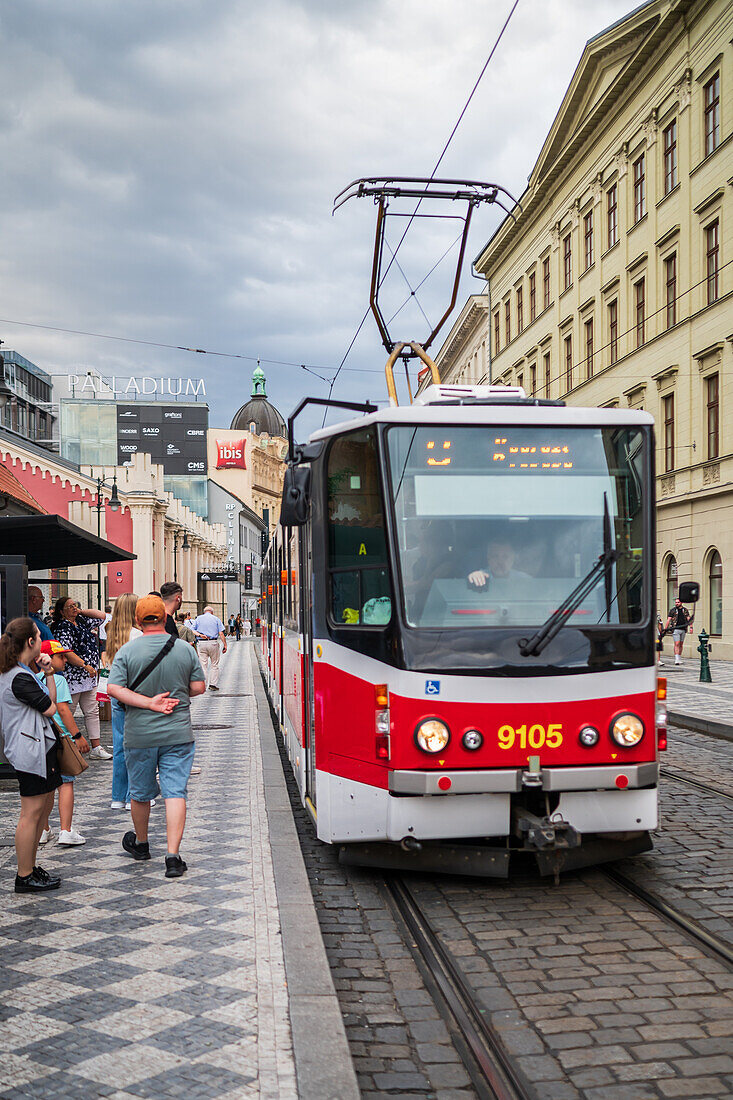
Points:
point(532, 647)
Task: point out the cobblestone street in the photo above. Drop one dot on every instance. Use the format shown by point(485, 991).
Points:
point(125, 984)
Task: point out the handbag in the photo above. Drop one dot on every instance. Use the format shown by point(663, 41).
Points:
point(71, 761)
point(102, 678)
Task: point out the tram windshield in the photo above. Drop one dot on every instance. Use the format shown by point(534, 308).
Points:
point(497, 526)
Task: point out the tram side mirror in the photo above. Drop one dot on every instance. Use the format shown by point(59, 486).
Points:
point(296, 496)
point(689, 591)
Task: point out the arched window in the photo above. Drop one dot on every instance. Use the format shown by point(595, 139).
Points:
point(670, 577)
point(715, 590)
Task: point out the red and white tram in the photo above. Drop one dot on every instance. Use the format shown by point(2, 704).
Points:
point(458, 632)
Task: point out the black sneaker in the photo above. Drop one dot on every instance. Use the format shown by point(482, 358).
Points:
point(213, 687)
point(43, 876)
point(137, 849)
point(31, 884)
point(175, 866)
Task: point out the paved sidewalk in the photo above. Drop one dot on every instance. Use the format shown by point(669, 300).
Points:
point(125, 984)
point(707, 708)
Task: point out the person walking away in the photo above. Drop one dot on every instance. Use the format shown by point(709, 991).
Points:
point(36, 600)
point(680, 620)
point(171, 594)
point(30, 745)
point(121, 630)
point(64, 720)
point(238, 627)
point(247, 628)
point(73, 628)
point(103, 628)
point(210, 629)
point(158, 730)
point(184, 631)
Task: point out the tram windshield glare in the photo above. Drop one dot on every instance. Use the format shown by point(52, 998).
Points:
point(496, 526)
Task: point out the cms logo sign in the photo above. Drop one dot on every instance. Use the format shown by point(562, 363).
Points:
point(230, 454)
point(195, 467)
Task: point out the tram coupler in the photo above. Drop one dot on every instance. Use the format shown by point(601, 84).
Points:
point(543, 833)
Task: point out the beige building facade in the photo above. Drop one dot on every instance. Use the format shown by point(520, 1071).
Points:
point(614, 285)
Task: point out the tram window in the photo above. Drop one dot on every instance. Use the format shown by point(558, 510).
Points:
point(357, 547)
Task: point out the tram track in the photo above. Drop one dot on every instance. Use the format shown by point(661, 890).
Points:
point(667, 773)
point(715, 946)
point(490, 1068)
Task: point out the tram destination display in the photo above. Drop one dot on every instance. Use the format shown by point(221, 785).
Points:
point(173, 435)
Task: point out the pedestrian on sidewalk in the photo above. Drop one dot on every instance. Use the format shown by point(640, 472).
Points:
point(158, 731)
point(238, 627)
point(680, 620)
point(184, 631)
point(247, 628)
point(121, 630)
point(36, 600)
point(30, 745)
point(73, 628)
point(68, 836)
point(209, 629)
point(171, 594)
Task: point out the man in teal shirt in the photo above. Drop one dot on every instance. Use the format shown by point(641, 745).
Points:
point(158, 731)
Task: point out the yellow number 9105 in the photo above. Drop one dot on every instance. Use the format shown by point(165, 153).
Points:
point(532, 737)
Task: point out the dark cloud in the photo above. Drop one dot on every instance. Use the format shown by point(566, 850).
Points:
point(168, 168)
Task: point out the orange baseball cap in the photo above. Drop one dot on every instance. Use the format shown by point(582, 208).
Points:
point(53, 647)
point(150, 609)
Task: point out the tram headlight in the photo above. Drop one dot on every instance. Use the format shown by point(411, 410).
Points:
point(432, 735)
point(472, 740)
point(627, 730)
point(589, 736)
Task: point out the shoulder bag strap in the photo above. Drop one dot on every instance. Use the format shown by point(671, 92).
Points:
point(153, 664)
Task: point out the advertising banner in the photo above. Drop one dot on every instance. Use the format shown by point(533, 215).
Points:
point(230, 454)
point(173, 435)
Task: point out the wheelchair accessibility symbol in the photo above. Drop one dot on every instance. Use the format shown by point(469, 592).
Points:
point(432, 687)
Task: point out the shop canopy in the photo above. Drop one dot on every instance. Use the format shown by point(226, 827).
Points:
point(51, 542)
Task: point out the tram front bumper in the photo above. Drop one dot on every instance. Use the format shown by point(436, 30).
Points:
point(502, 780)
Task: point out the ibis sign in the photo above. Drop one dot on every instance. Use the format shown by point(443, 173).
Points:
point(230, 454)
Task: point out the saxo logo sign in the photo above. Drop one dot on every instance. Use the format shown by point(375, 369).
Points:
point(230, 454)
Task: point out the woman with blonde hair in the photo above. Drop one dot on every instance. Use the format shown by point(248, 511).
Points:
point(120, 630)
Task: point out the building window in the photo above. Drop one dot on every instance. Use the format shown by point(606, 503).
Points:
point(589, 348)
point(639, 189)
point(546, 283)
point(588, 239)
point(670, 282)
point(712, 114)
point(712, 257)
point(640, 310)
point(670, 157)
point(533, 380)
point(613, 332)
point(715, 590)
point(520, 309)
point(567, 262)
point(668, 410)
point(532, 297)
point(546, 362)
point(497, 343)
point(671, 582)
point(568, 363)
point(712, 386)
point(507, 320)
point(612, 200)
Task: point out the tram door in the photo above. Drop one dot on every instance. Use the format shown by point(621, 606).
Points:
point(309, 706)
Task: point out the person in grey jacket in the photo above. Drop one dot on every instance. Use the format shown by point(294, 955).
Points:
point(30, 745)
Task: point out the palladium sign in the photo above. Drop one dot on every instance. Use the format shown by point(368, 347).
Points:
point(144, 385)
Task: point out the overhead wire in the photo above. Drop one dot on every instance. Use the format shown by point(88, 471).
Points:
point(432, 176)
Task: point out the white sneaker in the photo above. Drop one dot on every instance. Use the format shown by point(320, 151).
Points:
point(99, 753)
point(195, 770)
point(117, 805)
point(128, 805)
point(45, 836)
point(70, 836)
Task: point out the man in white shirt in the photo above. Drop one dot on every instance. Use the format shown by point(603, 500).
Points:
point(208, 628)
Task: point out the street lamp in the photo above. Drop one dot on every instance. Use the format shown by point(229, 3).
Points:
point(185, 545)
point(114, 503)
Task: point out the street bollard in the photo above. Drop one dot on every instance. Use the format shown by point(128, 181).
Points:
point(703, 649)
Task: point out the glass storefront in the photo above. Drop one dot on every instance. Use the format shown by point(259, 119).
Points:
point(88, 432)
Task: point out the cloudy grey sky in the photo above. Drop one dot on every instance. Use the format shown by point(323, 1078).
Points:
point(168, 169)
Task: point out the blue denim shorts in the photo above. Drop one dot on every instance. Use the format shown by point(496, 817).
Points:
point(173, 764)
point(67, 778)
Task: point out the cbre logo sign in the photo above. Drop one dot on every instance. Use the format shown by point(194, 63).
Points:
point(230, 454)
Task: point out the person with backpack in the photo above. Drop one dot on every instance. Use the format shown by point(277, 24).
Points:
point(154, 678)
point(680, 621)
